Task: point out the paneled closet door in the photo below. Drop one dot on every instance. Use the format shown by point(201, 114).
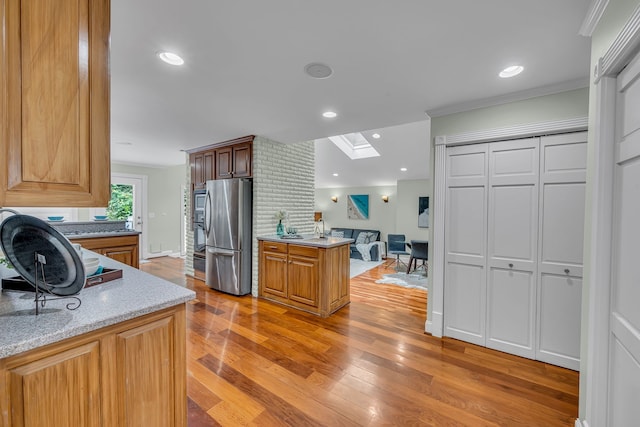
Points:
point(624, 334)
point(512, 246)
point(465, 246)
point(563, 165)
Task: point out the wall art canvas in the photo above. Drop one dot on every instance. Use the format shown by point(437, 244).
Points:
point(358, 206)
point(423, 212)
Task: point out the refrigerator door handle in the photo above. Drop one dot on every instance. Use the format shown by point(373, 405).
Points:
point(207, 215)
point(219, 251)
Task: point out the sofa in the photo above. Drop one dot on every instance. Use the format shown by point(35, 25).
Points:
point(363, 241)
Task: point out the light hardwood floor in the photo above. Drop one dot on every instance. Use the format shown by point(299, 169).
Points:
point(253, 362)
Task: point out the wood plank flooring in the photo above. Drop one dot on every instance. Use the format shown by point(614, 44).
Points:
point(253, 362)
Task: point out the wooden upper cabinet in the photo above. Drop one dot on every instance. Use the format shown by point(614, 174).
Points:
point(229, 159)
point(224, 163)
point(242, 160)
point(54, 103)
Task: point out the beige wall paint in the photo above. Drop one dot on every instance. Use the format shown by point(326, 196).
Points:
point(399, 215)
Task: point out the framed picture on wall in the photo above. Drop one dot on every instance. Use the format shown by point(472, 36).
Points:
point(358, 206)
point(423, 212)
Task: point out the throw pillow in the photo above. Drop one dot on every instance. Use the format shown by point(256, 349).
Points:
point(337, 233)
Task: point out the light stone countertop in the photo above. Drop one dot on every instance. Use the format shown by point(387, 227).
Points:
point(137, 293)
point(327, 242)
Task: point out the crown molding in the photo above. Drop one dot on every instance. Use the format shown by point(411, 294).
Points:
point(513, 132)
point(621, 50)
point(510, 97)
point(593, 16)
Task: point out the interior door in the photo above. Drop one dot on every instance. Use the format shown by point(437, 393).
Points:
point(512, 246)
point(139, 202)
point(465, 245)
point(562, 199)
point(624, 321)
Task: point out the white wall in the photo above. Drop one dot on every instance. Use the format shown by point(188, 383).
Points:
point(407, 212)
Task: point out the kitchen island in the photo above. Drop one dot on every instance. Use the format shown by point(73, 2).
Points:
point(118, 359)
point(309, 274)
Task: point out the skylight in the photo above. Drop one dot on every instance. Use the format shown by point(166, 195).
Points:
point(354, 145)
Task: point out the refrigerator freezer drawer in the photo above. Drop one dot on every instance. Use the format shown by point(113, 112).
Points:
point(228, 271)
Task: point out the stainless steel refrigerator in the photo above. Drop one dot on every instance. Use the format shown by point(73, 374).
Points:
point(228, 210)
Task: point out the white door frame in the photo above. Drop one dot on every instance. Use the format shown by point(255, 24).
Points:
point(142, 190)
point(621, 51)
point(435, 324)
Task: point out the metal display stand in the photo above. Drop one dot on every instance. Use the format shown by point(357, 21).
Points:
point(41, 297)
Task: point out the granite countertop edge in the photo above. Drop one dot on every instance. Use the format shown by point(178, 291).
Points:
point(327, 242)
point(89, 235)
point(136, 294)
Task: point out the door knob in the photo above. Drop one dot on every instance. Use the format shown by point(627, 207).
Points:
point(566, 271)
point(510, 265)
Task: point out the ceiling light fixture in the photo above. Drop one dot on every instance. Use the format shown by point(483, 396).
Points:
point(514, 70)
point(335, 174)
point(171, 58)
point(329, 115)
point(403, 169)
point(376, 136)
point(318, 70)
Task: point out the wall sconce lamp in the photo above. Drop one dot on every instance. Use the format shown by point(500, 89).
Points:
point(334, 199)
point(385, 199)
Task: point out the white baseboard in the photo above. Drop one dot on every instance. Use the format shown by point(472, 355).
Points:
point(164, 253)
point(580, 423)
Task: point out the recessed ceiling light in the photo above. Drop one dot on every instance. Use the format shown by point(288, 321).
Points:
point(335, 174)
point(403, 169)
point(171, 58)
point(318, 70)
point(376, 136)
point(514, 70)
point(329, 115)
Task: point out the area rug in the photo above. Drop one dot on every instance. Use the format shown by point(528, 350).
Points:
point(406, 280)
point(359, 266)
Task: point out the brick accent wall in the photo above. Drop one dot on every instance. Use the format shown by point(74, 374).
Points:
point(283, 178)
point(188, 260)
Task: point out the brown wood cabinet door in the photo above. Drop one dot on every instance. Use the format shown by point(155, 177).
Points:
point(274, 273)
point(242, 161)
point(146, 389)
point(54, 103)
point(303, 279)
point(60, 390)
point(126, 255)
point(224, 163)
point(197, 171)
point(340, 288)
point(209, 166)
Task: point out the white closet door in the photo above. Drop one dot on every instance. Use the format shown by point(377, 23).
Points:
point(562, 205)
point(512, 246)
point(465, 246)
point(624, 336)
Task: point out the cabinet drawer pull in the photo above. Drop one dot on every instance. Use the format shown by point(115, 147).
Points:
point(273, 247)
point(566, 271)
point(510, 265)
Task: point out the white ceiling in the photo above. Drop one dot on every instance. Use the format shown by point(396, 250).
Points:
point(393, 61)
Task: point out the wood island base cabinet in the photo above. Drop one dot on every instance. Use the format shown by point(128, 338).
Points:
point(129, 374)
point(124, 249)
point(309, 278)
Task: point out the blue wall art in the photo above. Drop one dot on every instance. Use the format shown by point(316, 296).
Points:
point(358, 206)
